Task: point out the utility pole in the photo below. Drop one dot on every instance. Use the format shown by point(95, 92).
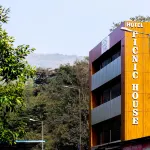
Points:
point(42, 137)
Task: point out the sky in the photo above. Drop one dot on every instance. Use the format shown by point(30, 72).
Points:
point(69, 27)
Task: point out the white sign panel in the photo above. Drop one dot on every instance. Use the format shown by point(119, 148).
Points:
point(105, 44)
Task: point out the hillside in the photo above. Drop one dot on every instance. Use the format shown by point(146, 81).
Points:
point(51, 60)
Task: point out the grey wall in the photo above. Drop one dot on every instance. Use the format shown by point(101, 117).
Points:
point(106, 111)
point(107, 73)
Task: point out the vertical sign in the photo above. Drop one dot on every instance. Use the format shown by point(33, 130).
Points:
point(105, 44)
point(135, 87)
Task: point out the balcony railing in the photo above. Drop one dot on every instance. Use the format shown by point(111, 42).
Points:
point(106, 111)
point(106, 74)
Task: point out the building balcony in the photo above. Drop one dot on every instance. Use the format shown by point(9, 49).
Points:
point(106, 74)
point(106, 111)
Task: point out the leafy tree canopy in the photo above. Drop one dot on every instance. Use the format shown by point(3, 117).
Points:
point(58, 106)
point(14, 72)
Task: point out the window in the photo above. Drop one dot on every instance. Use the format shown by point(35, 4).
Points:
point(108, 131)
point(107, 92)
point(116, 130)
point(111, 93)
point(107, 58)
point(101, 99)
point(115, 56)
point(106, 62)
point(106, 95)
point(98, 98)
point(115, 91)
point(95, 66)
point(101, 138)
point(106, 136)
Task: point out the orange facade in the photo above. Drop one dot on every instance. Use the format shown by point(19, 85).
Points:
point(135, 80)
point(136, 70)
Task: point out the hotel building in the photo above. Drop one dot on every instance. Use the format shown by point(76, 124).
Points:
point(120, 89)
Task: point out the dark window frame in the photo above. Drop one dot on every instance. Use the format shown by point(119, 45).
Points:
point(102, 99)
point(98, 63)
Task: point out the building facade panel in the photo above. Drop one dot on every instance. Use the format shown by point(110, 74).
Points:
point(94, 54)
point(132, 70)
point(106, 111)
point(114, 37)
point(106, 74)
point(115, 107)
point(137, 60)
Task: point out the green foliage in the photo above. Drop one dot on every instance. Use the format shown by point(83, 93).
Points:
point(138, 18)
point(4, 14)
point(58, 106)
point(14, 72)
point(43, 75)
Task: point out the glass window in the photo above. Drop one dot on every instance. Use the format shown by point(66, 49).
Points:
point(110, 59)
point(101, 138)
point(95, 66)
point(106, 62)
point(98, 99)
point(101, 99)
point(116, 91)
point(115, 56)
point(106, 95)
point(106, 136)
point(115, 130)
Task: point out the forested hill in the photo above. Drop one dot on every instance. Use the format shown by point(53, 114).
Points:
point(51, 60)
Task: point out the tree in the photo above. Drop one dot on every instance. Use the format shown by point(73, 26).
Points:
point(14, 72)
point(59, 107)
point(43, 75)
point(65, 119)
point(138, 18)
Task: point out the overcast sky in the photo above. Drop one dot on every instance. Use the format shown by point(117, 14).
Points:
point(68, 26)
